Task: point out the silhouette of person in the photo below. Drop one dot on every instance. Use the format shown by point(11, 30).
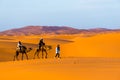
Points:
point(19, 45)
point(41, 43)
point(58, 51)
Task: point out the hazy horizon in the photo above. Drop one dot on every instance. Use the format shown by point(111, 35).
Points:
point(77, 14)
point(58, 26)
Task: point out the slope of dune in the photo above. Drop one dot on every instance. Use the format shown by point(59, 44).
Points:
point(82, 57)
point(8, 44)
point(102, 45)
point(62, 69)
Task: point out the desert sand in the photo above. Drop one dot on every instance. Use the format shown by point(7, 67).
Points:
point(62, 69)
point(83, 58)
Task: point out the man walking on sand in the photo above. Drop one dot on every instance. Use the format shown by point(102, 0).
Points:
point(57, 51)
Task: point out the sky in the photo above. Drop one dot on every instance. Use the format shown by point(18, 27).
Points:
point(81, 14)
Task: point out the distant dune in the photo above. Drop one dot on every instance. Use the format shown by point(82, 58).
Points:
point(42, 30)
point(39, 30)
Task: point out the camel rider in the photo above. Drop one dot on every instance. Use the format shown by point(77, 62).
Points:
point(41, 43)
point(43, 46)
point(19, 45)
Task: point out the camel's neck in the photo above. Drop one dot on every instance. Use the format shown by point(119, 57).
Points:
point(28, 50)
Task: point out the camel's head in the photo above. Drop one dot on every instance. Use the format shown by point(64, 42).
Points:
point(30, 48)
point(49, 47)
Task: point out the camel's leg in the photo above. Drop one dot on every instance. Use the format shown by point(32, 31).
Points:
point(35, 54)
point(42, 54)
point(46, 54)
point(22, 55)
point(38, 53)
point(16, 56)
point(26, 56)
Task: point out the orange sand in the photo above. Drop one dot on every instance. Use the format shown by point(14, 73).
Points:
point(103, 45)
point(83, 58)
point(62, 69)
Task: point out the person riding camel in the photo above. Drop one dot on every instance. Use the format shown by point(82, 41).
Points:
point(19, 45)
point(41, 43)
point(41, 48)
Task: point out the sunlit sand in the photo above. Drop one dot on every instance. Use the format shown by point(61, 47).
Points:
point(83, 58)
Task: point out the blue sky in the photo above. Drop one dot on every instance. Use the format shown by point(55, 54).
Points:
point(82, 14)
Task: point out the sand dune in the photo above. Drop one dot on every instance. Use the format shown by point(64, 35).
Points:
point(8, 44)
point(62, 69)
point(102, 45)
point(83, 58)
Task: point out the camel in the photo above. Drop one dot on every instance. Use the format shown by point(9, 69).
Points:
point(42, 49)
point(24, 50)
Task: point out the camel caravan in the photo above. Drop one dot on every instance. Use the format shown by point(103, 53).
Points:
point(24, 50)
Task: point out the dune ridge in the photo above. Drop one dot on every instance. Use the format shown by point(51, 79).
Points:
point(55, 30)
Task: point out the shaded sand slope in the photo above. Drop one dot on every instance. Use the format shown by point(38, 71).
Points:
point(62, 69)
point(102, 45)
point(8, 49)
point(8, 45)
